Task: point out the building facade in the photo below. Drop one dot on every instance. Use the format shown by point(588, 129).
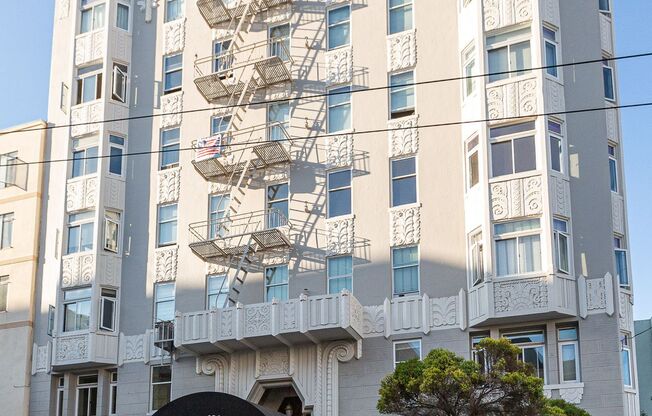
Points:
point(280, 200)
point(644, 363)
point(21, 195)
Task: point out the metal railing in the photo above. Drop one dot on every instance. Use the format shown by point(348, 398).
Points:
point(164, 335)
point(234, 226)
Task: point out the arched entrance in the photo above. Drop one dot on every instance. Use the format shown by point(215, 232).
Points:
point(211, 403)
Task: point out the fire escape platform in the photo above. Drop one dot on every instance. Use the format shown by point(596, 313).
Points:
point(216, 12)
point(216, 86)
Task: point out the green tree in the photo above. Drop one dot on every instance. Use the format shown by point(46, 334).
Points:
point(444, 384)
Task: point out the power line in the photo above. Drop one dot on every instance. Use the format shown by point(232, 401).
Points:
point(360, 132)
point(330, 94)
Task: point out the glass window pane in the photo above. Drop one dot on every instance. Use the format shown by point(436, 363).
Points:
point(607, 74)
point(89, 88)
point(339, 27)
point(406, 280)
point(73, 239)
point(165, 311)
point(78, 163)
point(276, 275)
point(535, 357)
point(276, 192)
point(516, 226)
point(122, 19)
point(86, 21)
point(567, 334)
point(173, 62)
point(403, 167)
point(404, 191)
point(400, 19)
point(613, 175)
point(340, 266)
point(524, 155)
point(405, 256)
point(115, 160)
point(621, 267)
point(520, 58)
point(172, 80)
point(506, 257)
point(604, 5)
point(498, 63)
point(98, 16)
point(339, 202)
point(563, 253)
point(551, 58)
point(501, 158)
point(406, 351)
point(336, 285)
point(529, 253)
point(339, 179)
point(555, 154)
point(474, 170)
point(86, 237)
point(402, 99)
point(627, 376)
point(161, 374)
point(91, 160)
point(511, 129)
point(107, 313)
point(339, 118)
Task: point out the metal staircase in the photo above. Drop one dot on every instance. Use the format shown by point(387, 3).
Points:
point(219, 12)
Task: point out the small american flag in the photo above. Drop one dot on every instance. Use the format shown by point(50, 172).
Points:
point(209, 147)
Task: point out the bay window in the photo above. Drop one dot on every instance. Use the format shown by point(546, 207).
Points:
point(509, 54)
point(80, 232)
point(276, 283)
point(76, 309)
point(401, 16)
point(404, 181)
point(339, 27)
point(407, 350)
point(339, 109)
point(513, 149)
point(401, 95)
point(89, 84)
point(339, 193)
point(518, 247)
point(405, 270)
point(561, 236)
point(569, 356)
point(340, 273)
point(533, 350)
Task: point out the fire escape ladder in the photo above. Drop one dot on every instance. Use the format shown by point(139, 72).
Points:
point(242, 270)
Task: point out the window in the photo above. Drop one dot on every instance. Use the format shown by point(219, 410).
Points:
point(173, 10)
point(61, 383)
point(119, 84)
point(170, 148)
point(84, 162)
point(122, 17)
point(556, 146)
point(76, 309)
point(107, 309)
point(472, 162)
point(400, 16)
point(569, 357)
point(339, 193)
point(218, 211)
point(220, 125)
point(476, 261)
point(161, 386)
point(339, 27)
point(339, 109)
point(604, 6)
point(92, 18)
point(89, 84)
point(401, 94)
point(278, 121)
point(626, 360)
point(276, 283)
point(533, 350)
point(277, 205)
point(406, 351)
point(613, 168)
point(608, 80)
point(8, 169)
point(404, 181)
point(279, 41)
point(80, 232)
point(113, 393)
point(6, 230)
point(550, 40)
point(468, 63)
point(111, 231)
point(4, 289)
point(217, 291)
point(477, 353)
point(51, 319)
point(167, 224)
point(405, 270)
point(621, 262)
point(509, 54)
point(340, 273)
point(518, 247)
point(173, 67)
point(222, 59)
point(513, 149)
point(116, 149)
point(87, 395)
point(163, 302)
point(562, 244)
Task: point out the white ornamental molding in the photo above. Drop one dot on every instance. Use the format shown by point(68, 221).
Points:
point(81, 194)
point(275, 362)
point(520, 295)
point(551, 12)
point(86, 118)
point(612, 124)
point(373, 323)
point(501, 13)
point(109, 269)
point(73, 348)
point(41, 358)
point(89, 47)
point(278, 14)
point(402, 50)
point(555, 100)
point(169, 185)
point(132, 349)
point(171, 108)
point(596, 294)
point(516, 198)
point(63, 9)
point(571, 392)
point(339, 66)
point(77, 270)
point(339, 151)
point(444, 312)
point(340, 236)
point(258, 319)
point(606, 34)
point(166, 264)
point(276, 173)
point(215, 365)
point(215, 268)
point(120, 113)
point(335, 353)
point(512, 99)
point(405, 226)
point(114, 193)
point(561, 200)
point(626, 313)
point(175, 36)
point(618, 213)
point(403, 136)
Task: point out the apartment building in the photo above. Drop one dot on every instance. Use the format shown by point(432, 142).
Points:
point(20, 208)
point(269, 199)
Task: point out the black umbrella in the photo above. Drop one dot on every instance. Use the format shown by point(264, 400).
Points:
point(213, 404)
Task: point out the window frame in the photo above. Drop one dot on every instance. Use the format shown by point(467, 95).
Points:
point(347, 103)
point(112, 222)
point(394, 268)
point(469, 59)
point(614, 174)
point(119, 143)
point(120, 95)
point(476, 258)
point(512, 138)
point(166, 71)
point(269, 222)
point(604, 11)
point(392, 179)
point(152, 383)
point(273, 130)
point(87, 298)
point(51, 319)
point(406, 341)
point(274, 41)
point(81, 80)
point(4, 294)
point(402, 112)
point(559, 138)
point(390, 10)
point(517, 235)
point(221, 61)
point(608, 69)
point(519, 36)
point(160, 223)
point(531, 345)
point(338, 277)
point(619, 248)
point(113, 393)
point(557, 235)
point(223, 291)
point(92, 9)
point(7, 230)
point(159, 299)
point(329, 191)
point(560, 346)
point(9, 169)
point(88, 218)
point(625, 347)
point(181, 4)
point(220, 213)
point(117, 14)
point(174, 142)
point(61, 385)
point(285, 284)
point(330, 26)
point(86, 386)
point(86, 160)
point(472, 150)
point(553, 71)
point(108, 296)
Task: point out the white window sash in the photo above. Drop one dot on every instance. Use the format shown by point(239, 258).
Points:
point(576, 346)
point(119, 89)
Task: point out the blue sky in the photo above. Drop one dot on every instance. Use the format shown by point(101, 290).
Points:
point(25, 43)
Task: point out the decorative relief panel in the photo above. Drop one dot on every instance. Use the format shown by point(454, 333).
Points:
point(571, 392)
point(560, 194)
point(121, 45)
point(501, 13)
point(169, 185)
point(41, 358)
point(132, 349)
point(626, 312)
point(258, 319)
point(596, 294)
point(109, 269)
point(166, 264)
point(175, 36)
point(77, 270)
point(555, 100)
point(403, 136)
point(339, 66)
point(340, 236)
point(72, 348)
point(272, 174)
point(551, 12)
point(81, 194)
point(373, 323)
point(114, 193)
point(606, 34)
point(618, 213)
point(339, 151)
point(520, 294)
point(405, 226)
point(89, 47)
point(171, 107)
point(612, 125)
point(86, 118)
point(444, 311)
point(273, 362)
point(516, 198)
point(64, 9)
point(512, 99)
point(402, 50)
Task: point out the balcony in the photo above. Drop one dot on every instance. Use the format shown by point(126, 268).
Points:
point(240, 234)
point(308, 319)
point(88, 349)
point(217, 12)
point(164, 335)
point(507, 300)
point(237, 72)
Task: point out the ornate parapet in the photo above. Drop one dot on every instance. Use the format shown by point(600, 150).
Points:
point(78, 269)
point(81, 193)
point(502, 13)
point(515, 97)
point(89, 47)
point(516, 198)
point(84, 348)
point(339, 66)
point(86, 118)
point(402, 50)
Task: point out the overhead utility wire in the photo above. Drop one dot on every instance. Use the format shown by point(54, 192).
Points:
point(329, 94)
point(354, 133)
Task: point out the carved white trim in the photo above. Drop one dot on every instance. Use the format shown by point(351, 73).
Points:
point(169, 185)
point(278, 14)
point(551, 12)
point(339, 151)
point(612, 125)
point(444, 312)
point(339, 66)
point(77, 269)
point(501, 13)
point(405, 226)
point(626, 314)
point(618, 213)
point(340, 236)
point(89, 47)
point(217, 365)
point(81, 194)
point(166, 264)
point(512, 99)
point(402, 50)
point(86, 118)
point(175, 36)
point(606, 34)
point(334, 353)
point(555, 99)
point(403, 136)
point(274, 362)
point(41, 358)
point(561, 199)
point(171, 108)
point(132, 349)
point(521, 294)
point(571, 392)
point(516, 198)
point(63, 9)
point(373, 321)
point(596, 294)
point(72, 348)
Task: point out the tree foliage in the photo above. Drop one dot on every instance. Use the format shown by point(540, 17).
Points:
point(444, 384)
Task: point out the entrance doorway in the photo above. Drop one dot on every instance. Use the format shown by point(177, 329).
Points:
point(284, 400)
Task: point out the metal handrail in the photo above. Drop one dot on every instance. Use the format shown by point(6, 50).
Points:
point(231, 54)
point(232, 226)
point(228, 136)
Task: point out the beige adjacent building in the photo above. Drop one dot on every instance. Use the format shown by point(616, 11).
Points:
point(21, 195)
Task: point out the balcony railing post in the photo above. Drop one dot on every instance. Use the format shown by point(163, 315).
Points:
point(303, 313)
point(276, 325)
point(345, 308)
point(239, 321)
